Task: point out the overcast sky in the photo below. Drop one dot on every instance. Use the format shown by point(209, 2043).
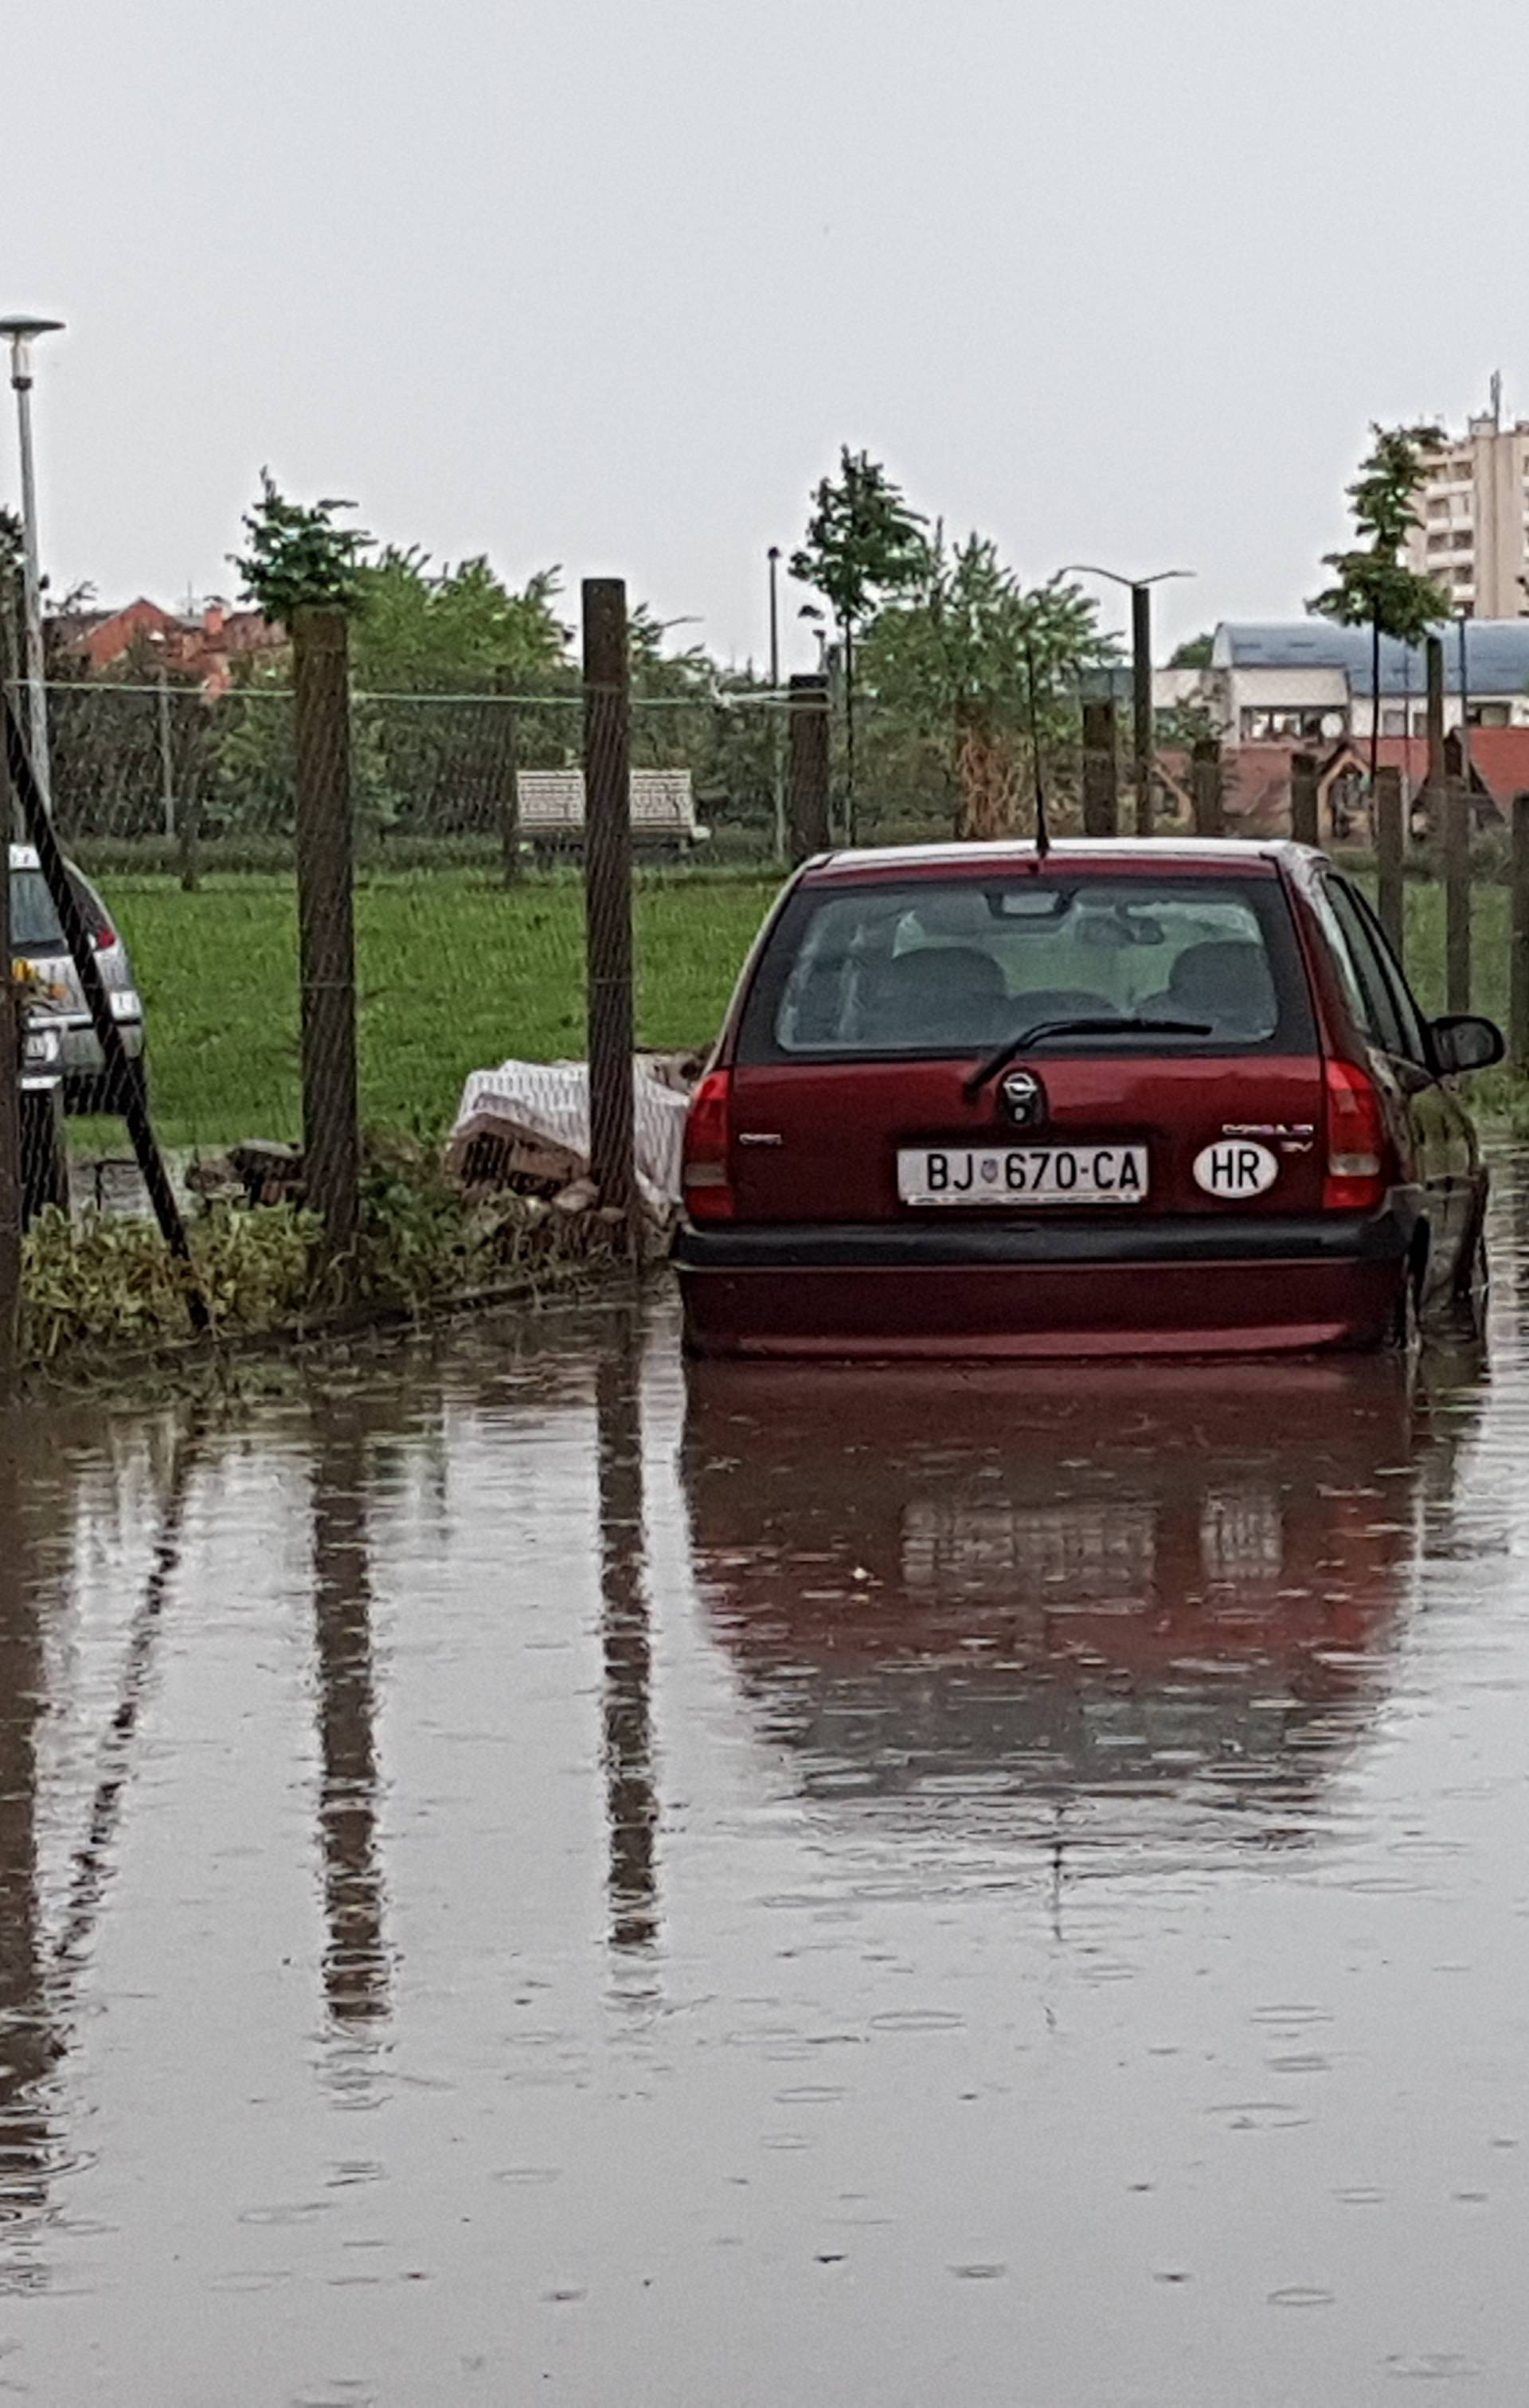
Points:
point(606, 282)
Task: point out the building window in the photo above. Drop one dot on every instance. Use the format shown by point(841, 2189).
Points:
point(1293, 725)
point(1393, 722)
point(1490, 714)
point(1444, 542)
point(1440, 508)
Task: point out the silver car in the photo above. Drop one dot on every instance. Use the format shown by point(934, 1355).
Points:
point(37, 943)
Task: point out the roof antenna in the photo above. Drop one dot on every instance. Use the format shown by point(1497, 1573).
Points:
point(1043, 833)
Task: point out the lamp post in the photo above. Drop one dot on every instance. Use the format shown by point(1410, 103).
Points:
point(21, 333)
point(773, 556)
point(776, 731)
point(166, 763)
point(1139, 588)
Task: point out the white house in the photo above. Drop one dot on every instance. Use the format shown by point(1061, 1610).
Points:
point(1306, 682)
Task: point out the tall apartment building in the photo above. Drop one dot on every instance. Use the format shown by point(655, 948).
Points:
point(1474, 539)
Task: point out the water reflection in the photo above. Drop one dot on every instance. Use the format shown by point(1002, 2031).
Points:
point(95, 1860)
point(627, 1748)
point(356, 1963)
point(988, 1601)
point(30, 2041)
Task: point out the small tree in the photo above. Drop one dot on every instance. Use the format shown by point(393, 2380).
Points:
point(297, 555)
point(972, 652)
point(1371, 585)
point(863, 545)
point(1195, 653)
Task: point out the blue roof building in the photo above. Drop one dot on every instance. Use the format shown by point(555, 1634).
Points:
point(1496, 654)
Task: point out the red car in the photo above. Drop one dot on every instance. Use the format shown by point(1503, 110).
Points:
point(1108, 1099)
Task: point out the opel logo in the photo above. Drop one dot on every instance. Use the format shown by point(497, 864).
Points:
point(1024, 1098)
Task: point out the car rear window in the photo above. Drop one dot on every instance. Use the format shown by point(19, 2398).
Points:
point(960, 965)
point(33, 923)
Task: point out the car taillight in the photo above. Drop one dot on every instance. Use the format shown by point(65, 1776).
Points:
point(1356, 1141)
point(708, 1132)
point(105, 937)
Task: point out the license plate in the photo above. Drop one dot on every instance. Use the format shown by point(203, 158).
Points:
point(1023, 1174)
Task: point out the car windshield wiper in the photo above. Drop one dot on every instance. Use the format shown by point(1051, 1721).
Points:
point(1044, 1029)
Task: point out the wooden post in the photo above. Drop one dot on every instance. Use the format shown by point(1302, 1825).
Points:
point(1433, 792)
point(1101, 769)
point(10, 1113)
point(1304, 819)
point(807, 712)
point(1205, 787)
point(1389, 853)
point(608, 892)
point(1518, 953)
point(1455, 805)
point(326, 935)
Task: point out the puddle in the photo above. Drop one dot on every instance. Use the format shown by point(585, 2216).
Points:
point(437, 1805)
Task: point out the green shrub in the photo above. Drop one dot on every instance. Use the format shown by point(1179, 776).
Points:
point(102, 1284)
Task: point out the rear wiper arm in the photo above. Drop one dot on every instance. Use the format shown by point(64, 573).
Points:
point(1044, 1029)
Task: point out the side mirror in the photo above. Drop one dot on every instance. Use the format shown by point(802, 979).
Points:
point(1463, 1042)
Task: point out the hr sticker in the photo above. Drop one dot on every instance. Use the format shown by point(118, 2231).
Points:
point(1235, 1166)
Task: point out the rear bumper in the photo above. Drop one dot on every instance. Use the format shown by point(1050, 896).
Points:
point(1248, 1285)
point(81, 1050)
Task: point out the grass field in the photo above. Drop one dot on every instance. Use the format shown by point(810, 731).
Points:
point(457, 974)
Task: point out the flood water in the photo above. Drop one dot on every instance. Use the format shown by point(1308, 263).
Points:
point(527, 1877)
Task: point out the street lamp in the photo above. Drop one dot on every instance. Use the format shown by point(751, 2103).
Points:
point(777, 771)
point(166, 762)
point(1141, 591)
point(21, 333)
point(773, 556)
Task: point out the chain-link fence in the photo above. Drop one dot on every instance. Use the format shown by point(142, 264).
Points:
point(180, 809)
point(291, 912)
point(180, 814)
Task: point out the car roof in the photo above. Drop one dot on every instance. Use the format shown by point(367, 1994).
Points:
point(1233, 856)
